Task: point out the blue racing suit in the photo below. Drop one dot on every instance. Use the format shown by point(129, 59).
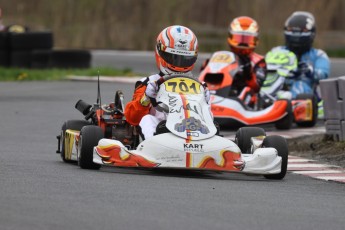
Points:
point(314, 66)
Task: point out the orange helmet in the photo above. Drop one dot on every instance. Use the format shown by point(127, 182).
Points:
point(243, 35)
point(176, 50)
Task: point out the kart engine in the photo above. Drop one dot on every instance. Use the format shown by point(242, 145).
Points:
point(125, 133)
point(112, 120)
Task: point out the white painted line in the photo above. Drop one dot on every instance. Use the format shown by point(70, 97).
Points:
point(309, 166)
point(300, 160)
point(331, 177)
point(317, 172)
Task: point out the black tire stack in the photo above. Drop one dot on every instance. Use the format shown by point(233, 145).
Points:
point(27, 48)
point(70, 59)
point(4, 49)
point(35, 50)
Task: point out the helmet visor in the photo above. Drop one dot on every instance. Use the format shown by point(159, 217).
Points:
point(241, 39)
point(299, 37)
point(178, 58)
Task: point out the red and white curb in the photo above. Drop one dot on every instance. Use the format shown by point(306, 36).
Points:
point(314, 169)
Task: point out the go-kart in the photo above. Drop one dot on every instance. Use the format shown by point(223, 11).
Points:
point(187, 139)
point(232, 106)
point(282, 68)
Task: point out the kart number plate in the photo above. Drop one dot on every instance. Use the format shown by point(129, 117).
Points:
point(182, 85)
point(222, 58)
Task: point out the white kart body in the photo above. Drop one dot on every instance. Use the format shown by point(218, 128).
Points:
point(192, 142)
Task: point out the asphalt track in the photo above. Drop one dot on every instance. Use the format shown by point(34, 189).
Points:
point(38, 191)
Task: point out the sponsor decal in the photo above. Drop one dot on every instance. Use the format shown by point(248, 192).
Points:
point(191, 147)
point(222, 58)
point(170, 159)
point(182, 41)
point(192, 134)
point(191, 124)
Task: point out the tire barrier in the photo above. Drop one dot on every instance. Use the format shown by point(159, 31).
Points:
point(4, 58)
point(20, 58)
point(35, 50)
point(40, 59)
point(31, 40)
point(70, 59)
point(4, 49)
point(23, 45)
point(333, 94)
point(65, 59)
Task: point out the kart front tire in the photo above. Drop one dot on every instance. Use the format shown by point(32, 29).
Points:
point(280, 144)
point(89, 137)
point(286, 122)
point(73, 125)
point(313, 98)
point(244, 135)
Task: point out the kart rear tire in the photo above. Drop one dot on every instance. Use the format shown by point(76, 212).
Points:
point(89, 137)
point(313, 98)
point(243, 136)
point(74, 125)
point(286, 122)
point(280, 144)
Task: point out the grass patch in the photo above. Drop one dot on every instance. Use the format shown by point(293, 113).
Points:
point(340, 53)
point(21, 74)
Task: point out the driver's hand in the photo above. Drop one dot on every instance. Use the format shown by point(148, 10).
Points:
point(206, 92)
point(150, 92)
point(207, 95)
point(151, 89)
point(245, 67)
point(306, 69)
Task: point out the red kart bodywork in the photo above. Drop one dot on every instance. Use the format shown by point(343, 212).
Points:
point(242, 107)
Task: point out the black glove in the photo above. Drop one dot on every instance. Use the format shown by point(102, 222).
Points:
point(246, 67)
point(306, 69)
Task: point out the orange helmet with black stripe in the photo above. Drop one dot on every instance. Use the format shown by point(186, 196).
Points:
point(243, 35)
point(176, 50)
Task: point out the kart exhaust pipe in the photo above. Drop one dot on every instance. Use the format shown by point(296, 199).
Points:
point(83, 107)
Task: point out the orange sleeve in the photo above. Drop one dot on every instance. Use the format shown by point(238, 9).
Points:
point(134, 111)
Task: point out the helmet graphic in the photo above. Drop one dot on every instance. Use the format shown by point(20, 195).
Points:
point(176, 50)
point(299, 32)
point(243, 35)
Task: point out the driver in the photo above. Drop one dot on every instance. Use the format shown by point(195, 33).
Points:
point(176, 52)
point(313, 64)
point(243, 39)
